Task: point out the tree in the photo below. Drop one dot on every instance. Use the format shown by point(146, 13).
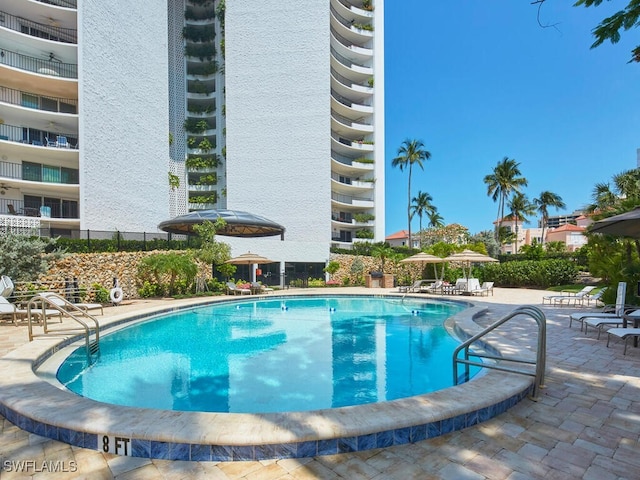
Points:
point(24, 258)
point(213, 252)
point(543, 202)
point(175, 266)
point(435, 219)
point(505, 179)
point(382, 251)
point(609, 28)
point(421, 206)
point(410, 152)
point(520, 207)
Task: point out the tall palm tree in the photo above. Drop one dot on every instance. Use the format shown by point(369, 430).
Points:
point(422, 205)
point(543, 202)
point(505, 179)
point(410, 152)
point(603, 197)
point(520, 207)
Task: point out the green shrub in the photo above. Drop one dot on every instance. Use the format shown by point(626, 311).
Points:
point(100, 294)
point(531, 273)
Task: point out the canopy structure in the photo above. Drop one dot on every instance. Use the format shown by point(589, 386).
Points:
point(423, 258)
point(467, 257)
point(249, 259)
point(624, 225)
point(238, 224)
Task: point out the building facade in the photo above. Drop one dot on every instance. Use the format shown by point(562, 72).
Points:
point(118, 115)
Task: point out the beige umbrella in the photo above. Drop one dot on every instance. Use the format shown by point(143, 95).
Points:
point(468, 257)
point(426, 258)
point(249, 259)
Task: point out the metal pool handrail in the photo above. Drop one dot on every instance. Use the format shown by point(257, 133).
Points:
point(66, 308)
point(541, 352)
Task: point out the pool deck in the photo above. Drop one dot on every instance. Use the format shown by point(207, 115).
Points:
point(585, 425)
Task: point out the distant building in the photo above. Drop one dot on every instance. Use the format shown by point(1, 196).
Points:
point(555, 221)
point(401, 239)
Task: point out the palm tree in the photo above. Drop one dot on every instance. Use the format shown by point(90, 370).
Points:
point(505, 179)
point(520, 207)
point(410, 152)
point(603, 198)
point(422, 205)
point(543, 202)
point(435, 219)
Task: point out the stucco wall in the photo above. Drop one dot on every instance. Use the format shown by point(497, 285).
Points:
point(278, 114)
point(123, 95)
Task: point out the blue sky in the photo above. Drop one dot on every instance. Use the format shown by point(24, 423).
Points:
point(478, 80)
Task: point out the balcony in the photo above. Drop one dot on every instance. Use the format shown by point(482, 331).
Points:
point(36, 137)
point(61, 3)
point(353, 68)
point(352, 201)
point(349, 87)
point(31, 206)
point(38, 30)
point(349, 147)
point(346, 126)
point(37, 172)
point(36, 65)
point(38, 102)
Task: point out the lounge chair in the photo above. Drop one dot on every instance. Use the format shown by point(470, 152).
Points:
point(8, 308)
point(606, 311)
point(567, 296)
point(624, 334)
point(596, 297)
point(56, 299)
point(600, 323)
point(485, 289)
point(578, 299)
point(435, 287)
point(233, 288)
point(259, 288)
point(417, 285)
point(62, 142)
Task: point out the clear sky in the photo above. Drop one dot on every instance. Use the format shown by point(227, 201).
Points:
point(478, 80)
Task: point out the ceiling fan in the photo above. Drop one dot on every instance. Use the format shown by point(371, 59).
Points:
point(3, 188)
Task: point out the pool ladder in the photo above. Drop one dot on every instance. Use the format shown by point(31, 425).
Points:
point(53, 301)
point(541, 352)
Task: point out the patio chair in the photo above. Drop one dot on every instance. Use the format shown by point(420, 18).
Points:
point(8, 308)
point(62, 142)
point(49, 143)
point(233, 288)
point(568, 296)
point(607, 312)
point(12, 209)
point(435, 287)
point(578, 299)
point(56, 299)
point(596, 297)
point(259, 288)
point(624, 334)
point(484, 289)
point(617, 321)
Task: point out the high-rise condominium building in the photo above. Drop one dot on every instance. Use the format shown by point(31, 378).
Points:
point(118, 115)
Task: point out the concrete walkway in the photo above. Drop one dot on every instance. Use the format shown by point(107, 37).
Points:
point(585, 425)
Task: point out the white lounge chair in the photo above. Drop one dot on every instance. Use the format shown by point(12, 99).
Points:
point(61, 302)
point(600, 323)
point(605, 313)
point(8, 308)
point(485, 289)
point(259, 288)
point(567, 297)
point(435, 287)
point(233, 288)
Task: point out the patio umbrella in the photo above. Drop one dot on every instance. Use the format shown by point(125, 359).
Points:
point(249, 259)
point(624, 225)
point(468, 257)
point(426, 258)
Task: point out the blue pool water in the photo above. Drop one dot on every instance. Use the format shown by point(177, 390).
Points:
point(272, 355)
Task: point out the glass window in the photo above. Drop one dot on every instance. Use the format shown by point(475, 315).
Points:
point(32, 171)
point(50, 174)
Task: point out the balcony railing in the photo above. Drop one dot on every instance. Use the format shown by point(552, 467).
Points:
point(37, 65)
point(348, 199)
point(360, 122)
point(61, 3)
point(347, 82)
point(36, 172)
point(40, 30)
point(57, 208)
point(37, 137)
point(39, 102)
point(347, 62)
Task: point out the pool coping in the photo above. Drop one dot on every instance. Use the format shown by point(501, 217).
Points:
point(39, 407)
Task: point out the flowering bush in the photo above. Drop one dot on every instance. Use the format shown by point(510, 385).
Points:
point(333, 283)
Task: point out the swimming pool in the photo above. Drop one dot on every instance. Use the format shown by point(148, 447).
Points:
point(272, 355)
point(32, 400)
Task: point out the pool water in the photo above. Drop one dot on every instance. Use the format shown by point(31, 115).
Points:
point(287, 354)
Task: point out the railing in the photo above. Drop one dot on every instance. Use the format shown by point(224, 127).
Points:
point(36, 172)
point(349, 122)
point(33, 136)
point(348, 199)
point(347, 43)
point(61, 3)
point(68, 309)
point(539, 362)
point(38, 102)
point(346, 61)
point(37, 65)
point(40, 30)
point(67, 209)
point(346, 81)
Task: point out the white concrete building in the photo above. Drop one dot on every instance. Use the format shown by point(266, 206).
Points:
point(276, 108)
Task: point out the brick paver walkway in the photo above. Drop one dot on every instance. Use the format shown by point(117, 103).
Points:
point(585, 425)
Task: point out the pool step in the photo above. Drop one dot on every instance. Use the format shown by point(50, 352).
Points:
point(94, 347)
